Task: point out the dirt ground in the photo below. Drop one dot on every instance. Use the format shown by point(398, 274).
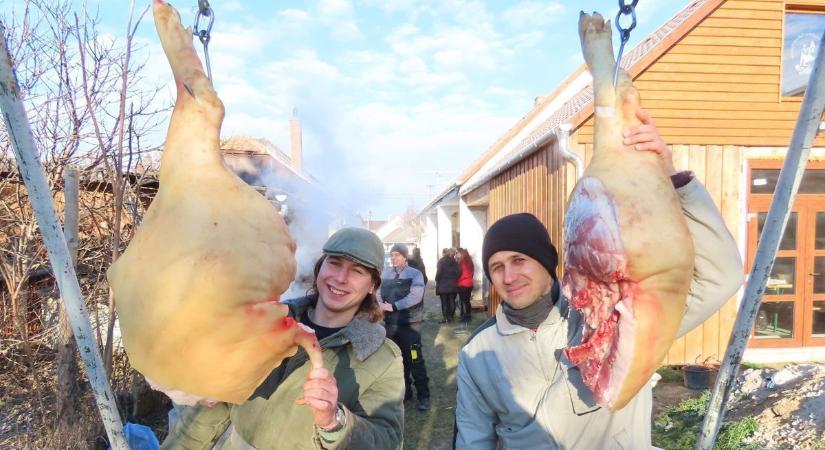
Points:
point(788, 404)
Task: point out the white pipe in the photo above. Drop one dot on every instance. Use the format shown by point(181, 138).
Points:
point(562, 132)
point(28, 163)
point(564, 146)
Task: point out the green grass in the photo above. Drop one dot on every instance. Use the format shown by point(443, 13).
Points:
point(433, 429)
point(677, 427)
point(670, 374)
point(749, 365)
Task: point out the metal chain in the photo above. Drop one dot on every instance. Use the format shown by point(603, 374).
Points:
point(203, 34)
point(625, 9)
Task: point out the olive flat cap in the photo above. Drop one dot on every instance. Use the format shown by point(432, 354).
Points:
point(359, 245)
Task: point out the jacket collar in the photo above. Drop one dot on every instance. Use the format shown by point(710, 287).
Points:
point(559, 313)
point(366, 337)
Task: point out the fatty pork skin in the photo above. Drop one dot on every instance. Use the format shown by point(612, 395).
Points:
point(628, 254)
point(197, 290)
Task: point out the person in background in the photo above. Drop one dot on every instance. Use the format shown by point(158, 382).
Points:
point(355, 401)
point(446, 278)
point(465, 283)
point(402, 298)
point(418, 263)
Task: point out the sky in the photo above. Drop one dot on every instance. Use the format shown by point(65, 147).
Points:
point(396, 97)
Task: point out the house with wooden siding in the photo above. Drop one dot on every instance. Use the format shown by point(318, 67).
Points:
point(724, 80)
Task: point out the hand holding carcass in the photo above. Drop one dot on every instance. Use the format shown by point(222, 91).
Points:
point(321, 395)
point(646, 137)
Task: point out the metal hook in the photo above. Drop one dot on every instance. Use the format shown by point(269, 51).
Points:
point(204, 35)
point(624, 33)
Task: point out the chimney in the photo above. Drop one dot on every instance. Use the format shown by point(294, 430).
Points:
point(297, 156)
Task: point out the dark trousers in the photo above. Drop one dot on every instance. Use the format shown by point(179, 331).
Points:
point(408, 339)
point(448, 305)
point(464, 301)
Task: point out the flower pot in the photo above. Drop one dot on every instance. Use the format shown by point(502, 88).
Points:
point(696, 377)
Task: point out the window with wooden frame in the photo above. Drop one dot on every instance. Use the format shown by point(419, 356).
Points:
point(803, 28)
point(792, 313)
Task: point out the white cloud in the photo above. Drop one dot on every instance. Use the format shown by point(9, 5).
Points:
point(291, 16)
point(391, 5)
point(532, 14)
point(335, 8)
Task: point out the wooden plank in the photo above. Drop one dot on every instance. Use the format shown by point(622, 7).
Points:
point(690, 114)
point(694, 339)
point(683, 48)
point(683, 130)
point(731, 13)
point(768, 64)
point(773, 32)
point(709, 68)
point(713, 183)
point(698, 95)
point(732, 123)
point(772, 79)
point(730, 208)
point(732, 41)
point(757, 24)
point(755, 5)
point(676, 354)
point(766, 108)
point(693, 86)
point(680, 156)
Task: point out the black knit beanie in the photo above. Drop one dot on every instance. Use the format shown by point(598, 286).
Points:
point(400, 248)
point(522, 233)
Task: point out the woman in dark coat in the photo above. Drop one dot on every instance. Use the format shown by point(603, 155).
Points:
point(446, 277)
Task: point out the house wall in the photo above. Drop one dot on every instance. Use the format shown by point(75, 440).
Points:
point(722, 81)
point(538, 184)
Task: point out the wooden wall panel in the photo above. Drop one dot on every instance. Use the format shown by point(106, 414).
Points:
point(720, 84)
point(535, 185)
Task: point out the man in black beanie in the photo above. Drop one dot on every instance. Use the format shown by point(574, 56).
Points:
point(516, 389)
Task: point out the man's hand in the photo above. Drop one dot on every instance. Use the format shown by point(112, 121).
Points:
point(321, 395)
point(385, 306)
point(646, 137)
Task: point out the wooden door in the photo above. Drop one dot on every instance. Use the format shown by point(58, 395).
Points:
point(792, 313)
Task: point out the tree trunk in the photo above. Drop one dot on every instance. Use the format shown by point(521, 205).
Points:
point(67, 371)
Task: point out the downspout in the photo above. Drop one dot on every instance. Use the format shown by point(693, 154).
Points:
point(563, 137)
point(562, 134)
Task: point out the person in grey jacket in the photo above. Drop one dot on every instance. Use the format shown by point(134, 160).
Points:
point(516, 390)
point(402, 298)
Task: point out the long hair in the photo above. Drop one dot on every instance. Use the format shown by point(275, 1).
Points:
point(465, 256)
point(369, 305)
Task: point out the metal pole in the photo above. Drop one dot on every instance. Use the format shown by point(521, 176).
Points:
point(810, 116)
point(20, 136)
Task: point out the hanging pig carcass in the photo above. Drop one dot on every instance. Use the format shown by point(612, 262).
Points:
point(628, 252)
point(197, 290)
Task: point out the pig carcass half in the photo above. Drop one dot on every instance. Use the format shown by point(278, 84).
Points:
point(197, 290)
point(628, 255)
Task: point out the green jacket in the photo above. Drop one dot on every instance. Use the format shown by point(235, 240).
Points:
point(369, 372)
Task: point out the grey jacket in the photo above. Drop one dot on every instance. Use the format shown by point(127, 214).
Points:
point(517, 391)
point(404, 289)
